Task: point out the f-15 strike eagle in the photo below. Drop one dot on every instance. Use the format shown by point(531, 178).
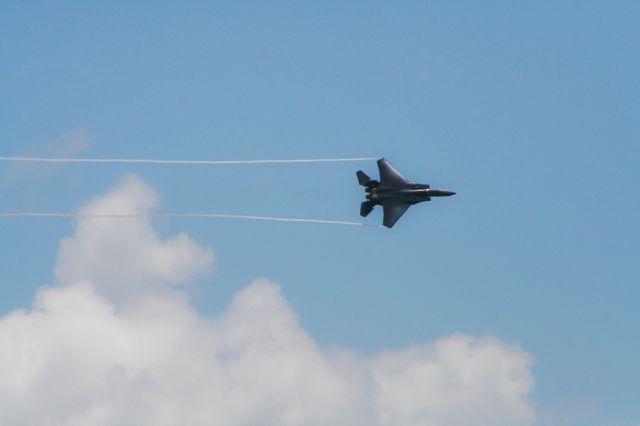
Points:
point(394, 193)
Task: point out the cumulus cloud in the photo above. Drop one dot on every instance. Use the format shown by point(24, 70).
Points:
point(126, 257)
point(80, 356)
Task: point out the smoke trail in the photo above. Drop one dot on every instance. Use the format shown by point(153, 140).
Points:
point(201, 162)
point(178, 215)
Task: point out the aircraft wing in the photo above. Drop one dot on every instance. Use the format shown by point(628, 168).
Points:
point(389, 175)
point(393, 210)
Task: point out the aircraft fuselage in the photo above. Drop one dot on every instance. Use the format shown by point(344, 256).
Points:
point(413, 194)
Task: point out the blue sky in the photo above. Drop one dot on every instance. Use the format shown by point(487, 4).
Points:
point(528, 110)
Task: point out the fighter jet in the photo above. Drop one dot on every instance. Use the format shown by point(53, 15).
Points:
point(394, 193)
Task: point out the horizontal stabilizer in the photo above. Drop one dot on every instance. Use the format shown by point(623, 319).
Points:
point(366, 207)
point(363, 179)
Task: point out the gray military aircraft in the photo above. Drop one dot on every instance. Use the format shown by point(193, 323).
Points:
point(394, 193)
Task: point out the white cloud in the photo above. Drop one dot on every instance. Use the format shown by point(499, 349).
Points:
point(125, 257)
point(80, 356)
point(69, 144)
point(458, 380)
point(73, 142)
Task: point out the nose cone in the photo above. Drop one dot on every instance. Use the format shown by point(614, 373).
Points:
point(441, 193)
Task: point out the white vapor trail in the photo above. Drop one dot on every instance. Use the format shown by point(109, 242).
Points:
point(201, 162)
point(177, 215)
